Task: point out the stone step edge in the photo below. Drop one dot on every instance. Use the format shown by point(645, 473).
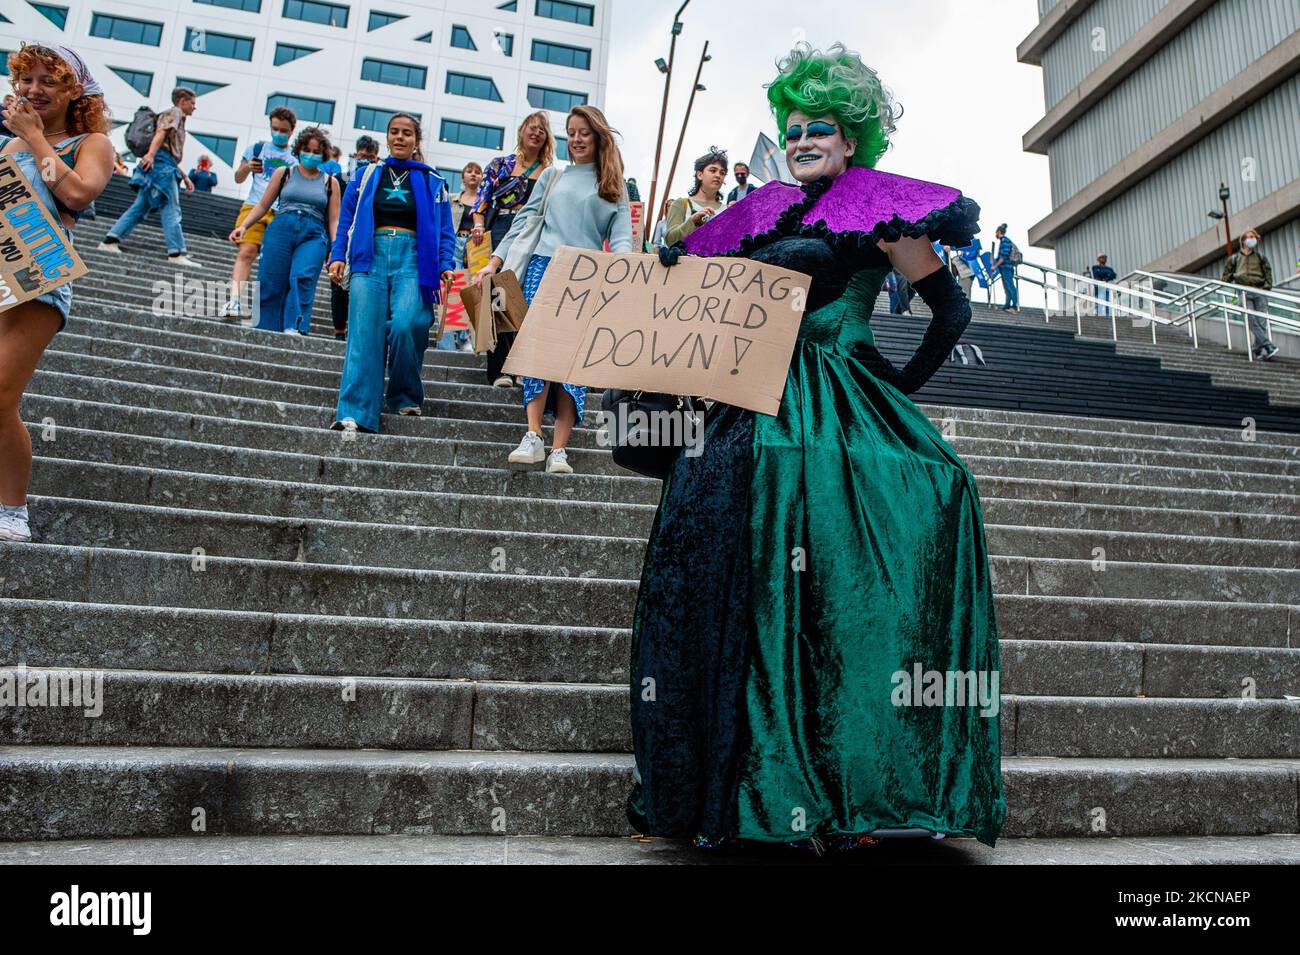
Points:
point(526, 537)
point(1242, 462)
point(539, 580)
point(177, 678)
point(506, 501)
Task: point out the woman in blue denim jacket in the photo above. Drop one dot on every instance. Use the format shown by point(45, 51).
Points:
point(395, 235)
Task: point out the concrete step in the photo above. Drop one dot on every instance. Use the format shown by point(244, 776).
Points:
point(1079, 646)
point(254, 496)
point(164, 791)
point(1053, 646)
point(155, 708)
point(218, 445)
point(106, 575)
point(521, 548)
point(179, 415)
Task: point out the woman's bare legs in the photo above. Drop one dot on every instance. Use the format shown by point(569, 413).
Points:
point(566, 416)
point(25, 332)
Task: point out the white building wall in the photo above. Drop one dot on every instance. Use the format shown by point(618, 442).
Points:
point(238, 110)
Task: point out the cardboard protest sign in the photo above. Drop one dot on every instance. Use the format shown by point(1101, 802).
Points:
point(455, 320)
point(637, 210)
point(477, 256)
point(723, 328)
point(36, 255)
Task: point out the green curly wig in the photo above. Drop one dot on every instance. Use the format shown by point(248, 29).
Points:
point(839, 84)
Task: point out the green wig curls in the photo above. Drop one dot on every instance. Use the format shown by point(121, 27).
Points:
point(839, 84)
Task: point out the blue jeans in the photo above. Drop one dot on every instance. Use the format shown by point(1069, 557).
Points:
point(1008, 273)
point(293, 252)
point(385, 315)
point(1104, 295)
point(164, 175)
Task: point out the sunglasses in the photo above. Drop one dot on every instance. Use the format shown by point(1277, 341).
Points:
point(817, 130)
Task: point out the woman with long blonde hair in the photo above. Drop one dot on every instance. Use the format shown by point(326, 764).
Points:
point(58, 123)
point(583, 205)
point(508, 183)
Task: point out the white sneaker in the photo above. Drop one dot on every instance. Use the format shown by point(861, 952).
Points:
point(414, 410)
point(184, 261)
point(558, 462)
point(115, 248)
point(531, 450)
point(467, 347)
point(347, 424)
point(503, 381)
point(14, 527)
point(232, 309)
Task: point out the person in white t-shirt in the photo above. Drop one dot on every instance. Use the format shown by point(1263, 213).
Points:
point(260, 161)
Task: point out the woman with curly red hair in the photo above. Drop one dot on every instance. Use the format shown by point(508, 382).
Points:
point(58, 121)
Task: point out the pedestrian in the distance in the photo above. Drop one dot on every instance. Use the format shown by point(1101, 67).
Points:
point(1250, 268)
point(1103, 273)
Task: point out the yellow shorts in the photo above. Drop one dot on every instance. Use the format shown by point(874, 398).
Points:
point(257, 231)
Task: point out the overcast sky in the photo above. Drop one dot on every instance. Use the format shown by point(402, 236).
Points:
point(950, 63)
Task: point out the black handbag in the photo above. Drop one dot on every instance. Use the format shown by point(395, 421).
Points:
point(648, 443)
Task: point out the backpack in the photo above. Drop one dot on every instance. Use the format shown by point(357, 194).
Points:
point(1015, 258)
point(139, 134)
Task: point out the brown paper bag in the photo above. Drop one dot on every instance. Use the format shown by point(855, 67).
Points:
point(484, 321)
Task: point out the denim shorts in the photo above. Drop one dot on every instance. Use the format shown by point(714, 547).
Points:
point(60, 298)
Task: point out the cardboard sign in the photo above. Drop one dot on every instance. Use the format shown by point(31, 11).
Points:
point(36, 255)
point(477, 256)
point(723, 328)
point(456, 320)
point(638, 226)
point(638, 212)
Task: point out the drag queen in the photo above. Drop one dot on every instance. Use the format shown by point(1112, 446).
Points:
point(807, 568)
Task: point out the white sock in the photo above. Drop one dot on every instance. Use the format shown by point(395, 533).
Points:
point(18, 510)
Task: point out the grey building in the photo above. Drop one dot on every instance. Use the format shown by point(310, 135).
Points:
point(1150, 104)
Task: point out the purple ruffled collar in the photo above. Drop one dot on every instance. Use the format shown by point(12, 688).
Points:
point(865, 203)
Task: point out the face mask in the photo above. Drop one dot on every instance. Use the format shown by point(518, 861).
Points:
point(310, 160)
point(742, 178)
point(280, 139)
point(1250, 243)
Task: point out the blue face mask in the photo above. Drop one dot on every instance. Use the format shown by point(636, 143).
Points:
point(280, 139)
point(310, 160)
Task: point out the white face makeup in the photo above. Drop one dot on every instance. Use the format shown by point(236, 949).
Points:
point(817, 147)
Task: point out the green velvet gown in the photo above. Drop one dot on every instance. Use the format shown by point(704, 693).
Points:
point(794, 569)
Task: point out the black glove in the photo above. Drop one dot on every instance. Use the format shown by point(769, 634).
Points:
point(669, 254)
point(951, 310)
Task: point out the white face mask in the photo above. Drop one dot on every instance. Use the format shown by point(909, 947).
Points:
point(1250, 243)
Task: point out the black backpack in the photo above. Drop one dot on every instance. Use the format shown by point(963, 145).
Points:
point(139, 134)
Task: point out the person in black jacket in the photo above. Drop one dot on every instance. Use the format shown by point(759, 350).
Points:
point(1103, 273)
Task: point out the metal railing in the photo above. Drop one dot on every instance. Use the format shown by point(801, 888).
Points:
point(1166, 298)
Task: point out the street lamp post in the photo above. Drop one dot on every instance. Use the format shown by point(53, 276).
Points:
point(1227, 227)
point(704, 58)
point(666, 69)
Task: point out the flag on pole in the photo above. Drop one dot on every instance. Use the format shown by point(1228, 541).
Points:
point(768, 161)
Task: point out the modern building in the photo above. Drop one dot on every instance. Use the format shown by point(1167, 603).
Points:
point(470, 69)
point(1150, 105)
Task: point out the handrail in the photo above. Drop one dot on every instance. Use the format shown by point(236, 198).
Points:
point(1191, 298)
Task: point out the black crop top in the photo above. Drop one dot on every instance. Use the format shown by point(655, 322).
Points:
point(394, 199)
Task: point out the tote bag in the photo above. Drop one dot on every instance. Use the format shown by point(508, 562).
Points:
point(521, 250)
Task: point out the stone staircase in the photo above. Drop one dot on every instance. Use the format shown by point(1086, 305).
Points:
point(301, 634)
point(1280, 377)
